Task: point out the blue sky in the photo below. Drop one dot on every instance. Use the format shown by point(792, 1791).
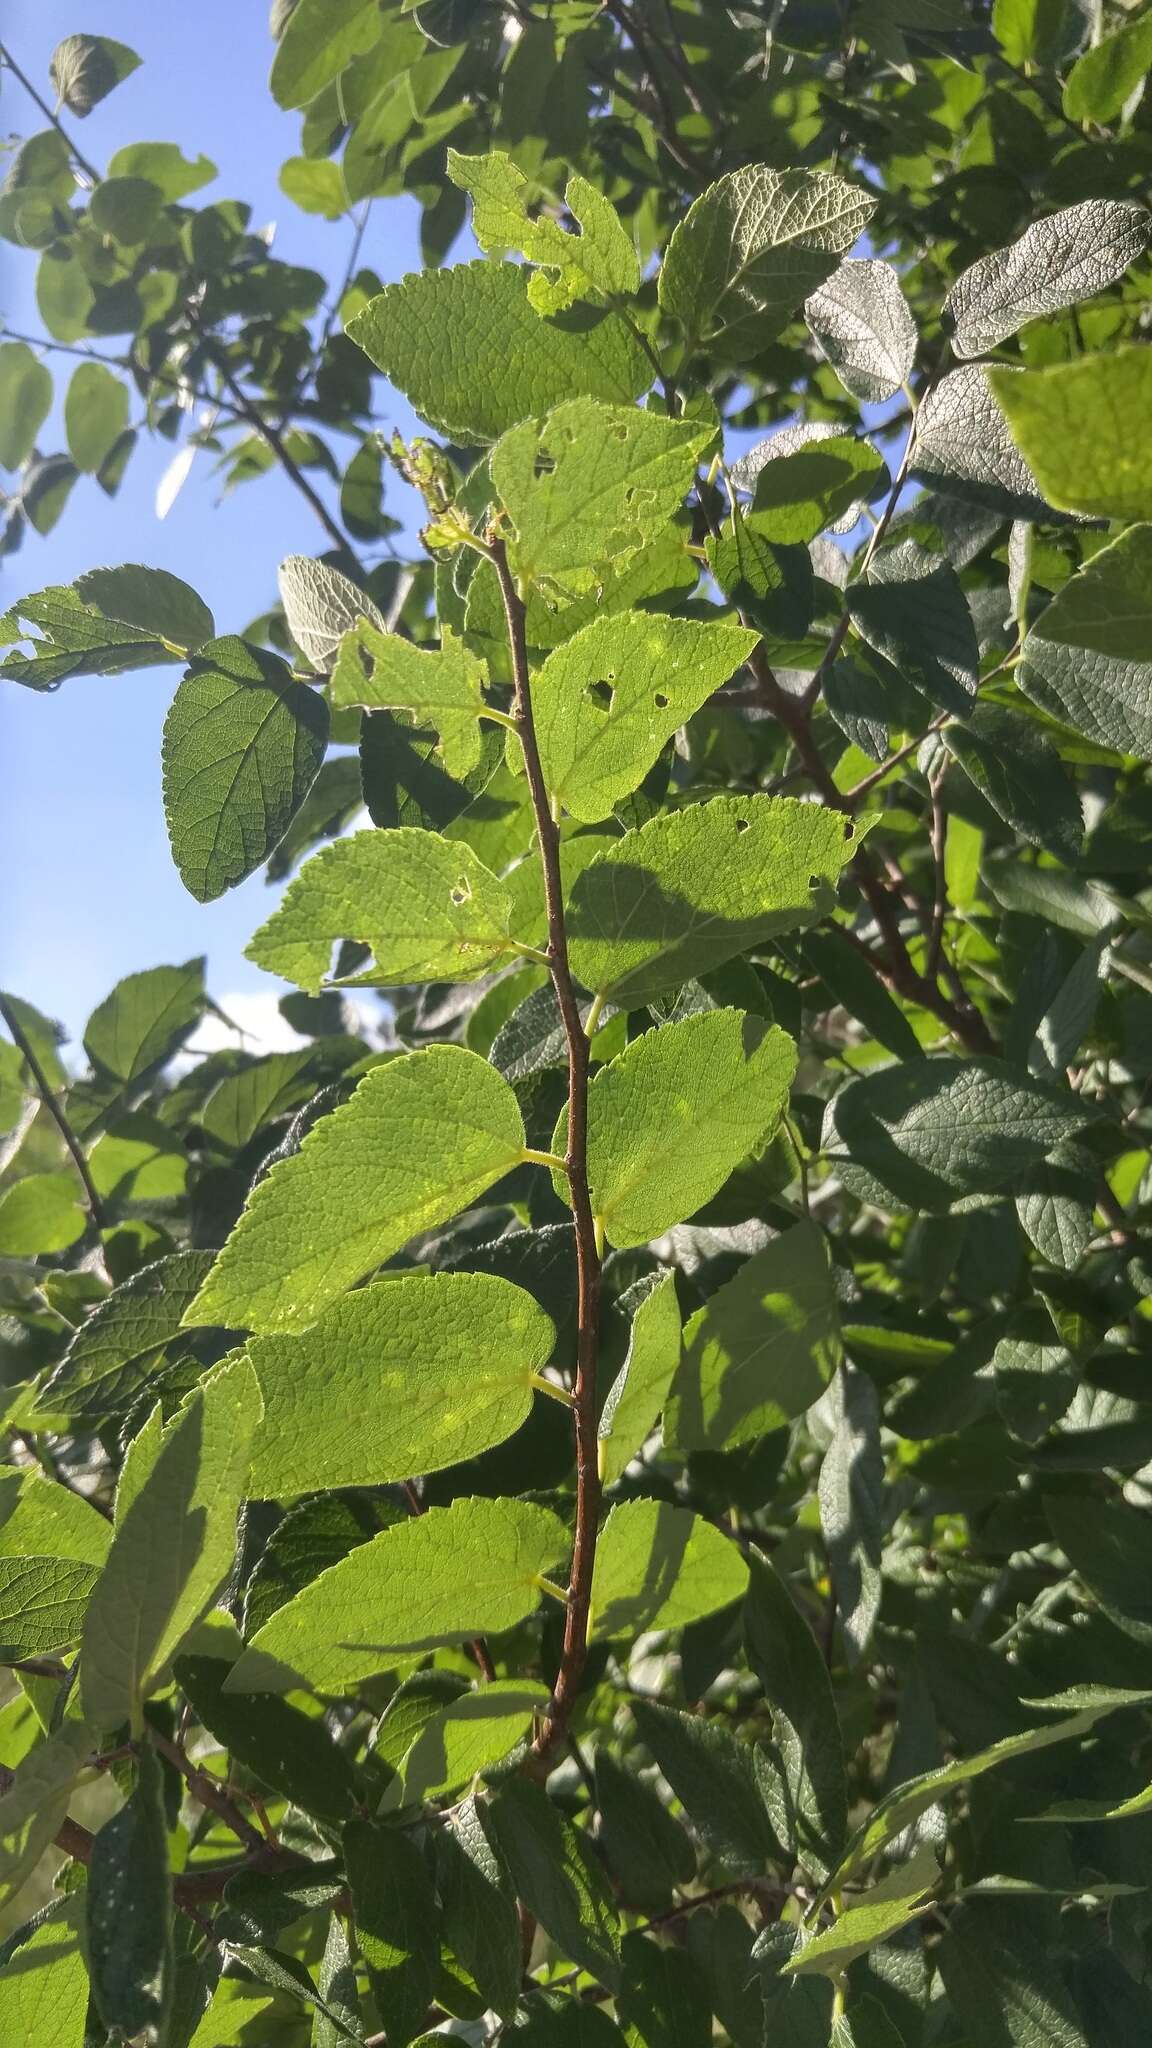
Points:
point(89, 892)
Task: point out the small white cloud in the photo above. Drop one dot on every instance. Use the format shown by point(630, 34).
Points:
point(258, 1027)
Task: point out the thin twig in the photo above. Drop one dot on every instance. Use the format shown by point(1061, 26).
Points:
point(938, 837)
point(88, 169)
point(575, 1650)
point(852, 796)
point(268, 433)
point(48, 1098)
point(209, 1791)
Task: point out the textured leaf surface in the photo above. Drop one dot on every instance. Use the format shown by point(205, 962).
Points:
point(1085, 428)
point(861, 323)
point(439, 685)
point(761, 1350)
point(606, 701)
point(453, 1573)
point(851, 1496)
point(928, 1133)
point(671, 1118)
point(95, 415)
point(34, 1806)
point(877, 1915)
point(287, 1749)
point(144, 1019)
point(130, 1954)
point(712, 1774)
point(242, 747)
point(477, 1899)
point(1067, 256)
point(753, 247)
point(1088, 659)
point(361, 1185)
point(467, 1735)
point(25, 401)
point(321, 605)
point(1020, 773)
point(658, 1567)
point(597, 263)
point(44, 1989)
point(1002, 1982)
point(693, 887)
point(409, 1375)
point(1104, 78)
point(396, 1921)
point(320, 37)
point(785, 1656)
point(42, 1603)
point(963, 445)
point(42, 1213)
point(173, 1547)
point(912, 610)
point(557, 1877)
point(149, 601)
point(637, 1394)
point(472, 355)
point(427, 907)
point(592, 482)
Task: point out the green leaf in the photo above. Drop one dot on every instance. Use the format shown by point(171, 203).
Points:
point(913, 611)
point(761, 1350)
point(41, 1214)
point(44, 1989)
point(861, 323)
point(313, 1535)
point(924, 1135)
point(1109, 1547)
point(429, 910)
point(807, 479)
point(752, 248)
point(647, 1848)
point(851, 1495)
point(320, 37)
point(41, 1517)
point(361, 1185)
point(288, 1750)
point(637, 1394)
point(164, 165)
point(599, 263)
point(410, 1375)
point(714, 1777)
point(285, 1974)
point(480, 1922)
point(148, 601)
point(851, 982)
point(397, 1924)
point(126, 209)
point(772, 585)
point(1086, 660)
point(557, 1877)
point(320, 606)
point(129, 1898)
point(144, 1020)
point(258, 1094)
point(660, 1567)
point(877, 1915)
point(173, 1548)
point(693, 887)
point(1085, 428)
point(516, 365)
point(42, 1603)
point(1065, 257)
point(466, 1736)
point(592, 482)
point(79, 639)
point(663, 2001)
point(608, 700)
point(95, 415)
point(672, 1117)
point(1105, 77)
point(785, 1656)
point(903, 1805)
point(1002, 1983)
point(25, 401)
point(467, 1570)
point(64, 295)
point(33, 1808)
point(339, 2014)
point(963, 445)
point(1030, 31)
point(1020, 773)
point(442, 686)
point(315, 185)
point(242, 746)
point(85, 69)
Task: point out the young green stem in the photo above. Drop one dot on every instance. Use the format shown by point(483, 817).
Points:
point(48, 1097)
point(575, 1650)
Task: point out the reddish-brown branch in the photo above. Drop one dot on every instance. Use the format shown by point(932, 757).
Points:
point(575, 1650)
point(48, 1097)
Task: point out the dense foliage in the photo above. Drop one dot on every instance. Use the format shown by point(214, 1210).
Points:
point(617, 1504)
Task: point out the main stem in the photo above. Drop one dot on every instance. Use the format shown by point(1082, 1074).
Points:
point(575, 1650)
